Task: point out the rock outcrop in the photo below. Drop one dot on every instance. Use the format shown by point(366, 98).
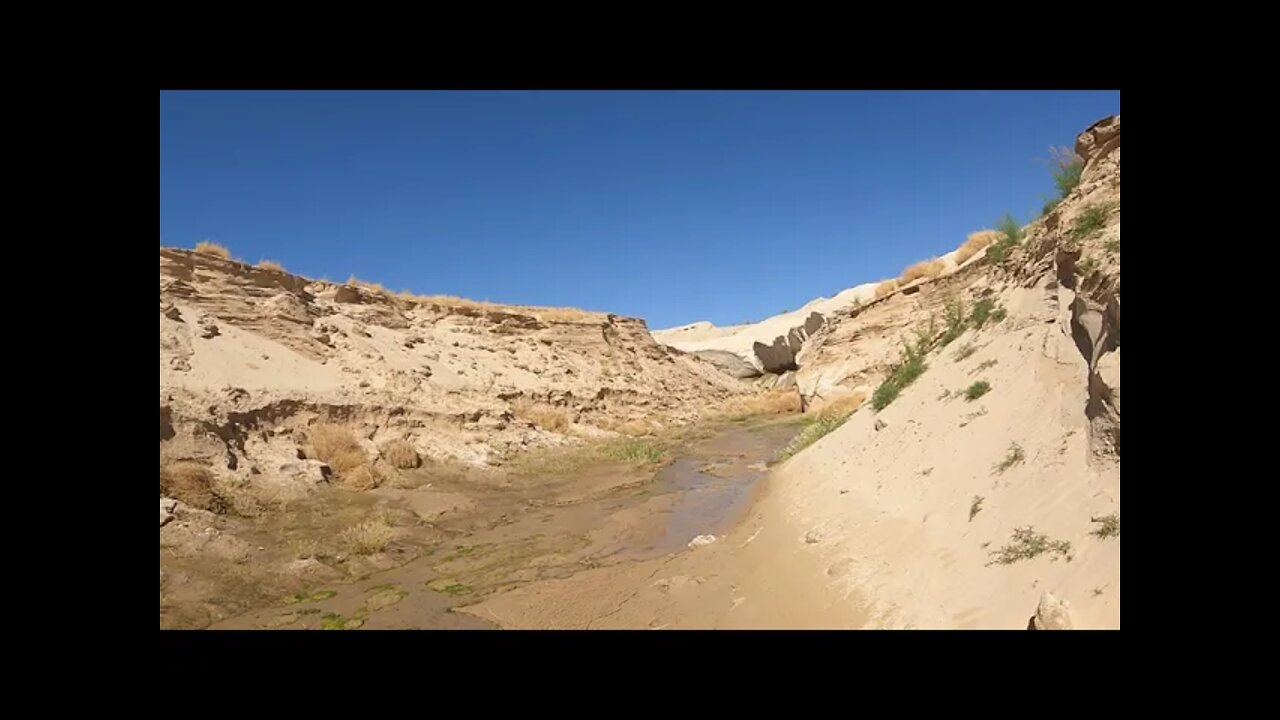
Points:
point(729, 363)
point(780, 357)
point(250, 358)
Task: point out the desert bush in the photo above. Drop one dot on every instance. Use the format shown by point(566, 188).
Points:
point(1026, 544)
point(1012, 232)
point(192, 483)
point(1108, 526)
point(1066, 167)
point(977, 390)
point(400, 454)
point(337, 447)
point(910, 367)
point(1014, 456)
point(886, 288)
point(369, 537)
point(208, 247)
point(270, 265)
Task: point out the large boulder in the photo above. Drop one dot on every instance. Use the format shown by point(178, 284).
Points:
point(812, 323)
point(776, 358)
point(729, 363)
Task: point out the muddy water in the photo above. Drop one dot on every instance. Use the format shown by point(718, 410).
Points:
point(510, 534)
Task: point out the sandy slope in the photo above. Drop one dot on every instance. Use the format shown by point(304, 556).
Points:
point(879, 524)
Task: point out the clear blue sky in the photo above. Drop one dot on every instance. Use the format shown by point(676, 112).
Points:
point(671, 206)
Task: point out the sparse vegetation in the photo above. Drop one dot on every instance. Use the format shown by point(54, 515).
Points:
point(569, 459)
point(983, 366)
point(966, 351)
point(1012, 235)
point(334, 621)
point(1090, 220)
point(640, 451)
point(1112, 245)
point(400, 454)
point(208, 247)
point(886, 288)
point(954, 316)
point(448, 586)
point(271, 265)
point(975, 507)
point(541, 414)
point(1026, 544)
point(977, 390)
point(910, 367)
point(982, 312)
point(976, 242)
point(1049, 206)
point(824, 422)
point(924, 269)
point(999, 314)
point(812, 432)
point(1014, 456)
point(1066, 167)
point(369, 537)
point(1108, 526)
point(1086, 266)
point(926, 333)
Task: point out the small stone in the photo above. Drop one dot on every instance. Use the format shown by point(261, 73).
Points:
point(812, 537)
point(702, 540)
point(880, 425)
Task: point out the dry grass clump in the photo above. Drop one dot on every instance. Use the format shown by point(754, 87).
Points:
point(549, 314)
point(208, 247)
point(886, 288)
point(975, 242)
point(400, 454)
point(369, 537)
point(541, 414)
point(563, 314)
point(364, 477)
point(372, 287)
point(923, 269)
point(337, 447)
point(192, 483)
point(843, 406)
point(774, 402)
point(271, 265)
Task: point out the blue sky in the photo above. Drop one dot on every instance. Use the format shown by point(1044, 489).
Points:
point(672, 206)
